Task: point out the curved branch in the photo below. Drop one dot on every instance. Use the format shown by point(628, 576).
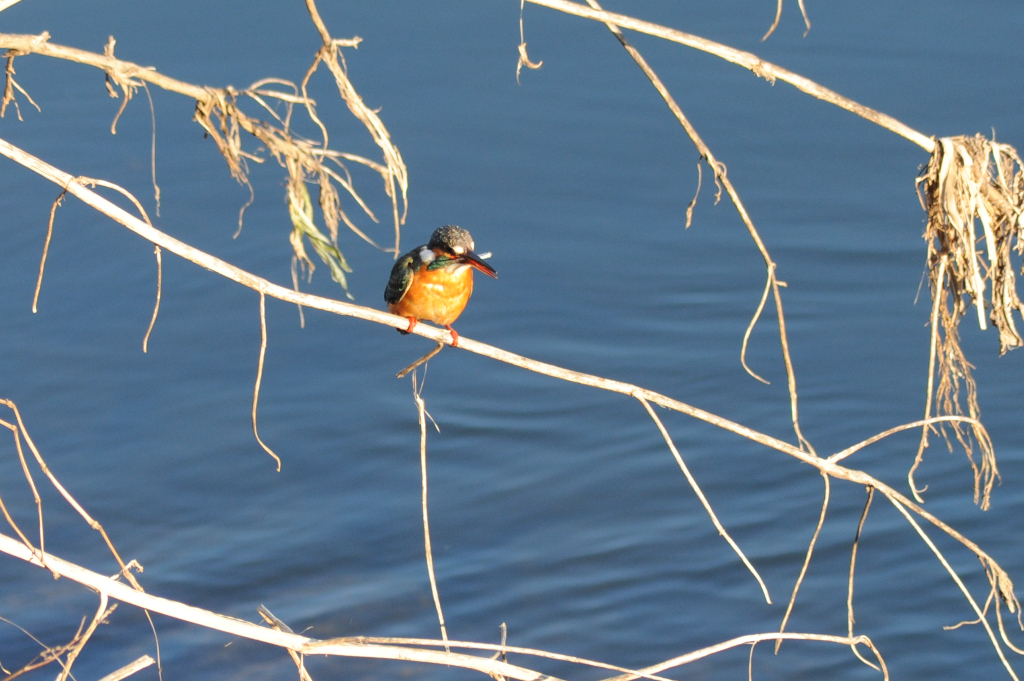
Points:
point(379, 648)
point(764, 69)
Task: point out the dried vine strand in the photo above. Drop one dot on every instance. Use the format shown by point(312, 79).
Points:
point(932, 348)
point(259, 379)
point(807, 560)
point(22, 432)
point(778, 16)
point(156, 305)
point(850, 621)
point(721, 175)
point(421, 409)
point(703, 500)
point(960, 584)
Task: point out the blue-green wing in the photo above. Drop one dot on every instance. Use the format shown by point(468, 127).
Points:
point(401, 278)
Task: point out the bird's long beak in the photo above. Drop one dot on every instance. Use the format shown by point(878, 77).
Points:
point(477, 262)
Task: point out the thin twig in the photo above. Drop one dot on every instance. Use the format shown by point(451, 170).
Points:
point(807, 19)
point(959, 583)
point(259, 379)
point(3, 507)
point(926, 423)
point(156, 305)
point(421, 409)
point(853, 564)
point(156, 645)
point(503, 630)
point(721, 176)
point(933, 344)
point(693, 202)
point(48, 655)
point(46, 249)
point(64, 493)
point(32, 486)
point(771, 29)
point(807, 561)
point(421, 360)
point(703, 500)
point(152, 149)
point(1002, 629)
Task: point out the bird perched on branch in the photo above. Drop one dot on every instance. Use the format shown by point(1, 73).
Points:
point(433, 282)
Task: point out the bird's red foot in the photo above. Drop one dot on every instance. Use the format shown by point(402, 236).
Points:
point(455, 335)
point(412, 325)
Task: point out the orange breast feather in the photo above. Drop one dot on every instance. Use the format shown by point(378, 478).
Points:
point(436, 295)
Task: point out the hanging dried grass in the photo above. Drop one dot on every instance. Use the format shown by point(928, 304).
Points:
point(218, 111)
point(304, 160)
point(973, 191)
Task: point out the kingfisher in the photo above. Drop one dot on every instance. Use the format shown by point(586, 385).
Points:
point(433, 282)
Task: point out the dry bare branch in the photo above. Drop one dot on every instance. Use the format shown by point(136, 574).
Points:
point(48, 655)
point(421, 409)
point(722, 179)
point(422, 360)
point(963, 587)
point(760, 68)
point(999, 577)
point(524, 58)
point(101, 614)
point(10, 85)
point(46, 250)
point(22, 432)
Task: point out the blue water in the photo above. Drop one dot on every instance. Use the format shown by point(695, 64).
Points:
point(555, 508)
